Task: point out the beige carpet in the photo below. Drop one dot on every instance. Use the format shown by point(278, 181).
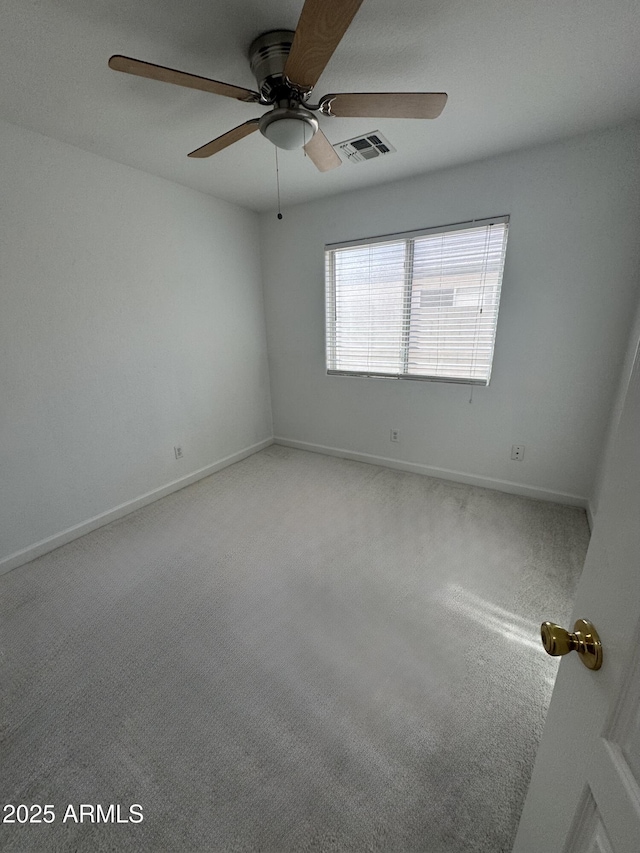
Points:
point(299, 653)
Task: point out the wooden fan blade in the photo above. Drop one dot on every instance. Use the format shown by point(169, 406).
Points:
point(321, 26)
point(384, 105)
point(180, 78)
point(322, 153)
point(226, 139)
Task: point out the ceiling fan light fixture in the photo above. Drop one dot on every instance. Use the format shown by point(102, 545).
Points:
point(288, 128)
point(287, 64)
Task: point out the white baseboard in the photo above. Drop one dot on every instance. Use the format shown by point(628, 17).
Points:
point(19, 558)
point(442, 473)
point(78, 530)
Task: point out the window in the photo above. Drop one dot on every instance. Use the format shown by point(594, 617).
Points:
point(422, 305)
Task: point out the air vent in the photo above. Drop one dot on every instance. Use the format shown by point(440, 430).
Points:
point(366, 147)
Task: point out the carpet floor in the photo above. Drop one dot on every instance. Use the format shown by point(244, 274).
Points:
point(298, 653)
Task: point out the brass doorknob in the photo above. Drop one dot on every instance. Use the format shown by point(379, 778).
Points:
point(584, 640)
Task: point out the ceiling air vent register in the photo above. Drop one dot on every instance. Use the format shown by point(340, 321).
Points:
point(366, 147)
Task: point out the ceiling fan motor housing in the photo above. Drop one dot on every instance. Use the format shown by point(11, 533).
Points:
point(289, 125)
point(268, 55)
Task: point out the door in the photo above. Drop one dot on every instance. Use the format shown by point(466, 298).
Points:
point(584, 795)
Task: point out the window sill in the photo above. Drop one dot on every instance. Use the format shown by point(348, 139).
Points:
point(456, 380)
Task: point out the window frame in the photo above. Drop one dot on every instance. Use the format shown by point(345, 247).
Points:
point(409, 237)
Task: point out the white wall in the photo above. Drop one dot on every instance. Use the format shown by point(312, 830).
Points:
point(633, 345)
point(569, 290)
point(131, 320)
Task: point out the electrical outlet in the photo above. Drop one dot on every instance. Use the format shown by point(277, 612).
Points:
point(517, 452)
point(178, 452)
point(395, 435)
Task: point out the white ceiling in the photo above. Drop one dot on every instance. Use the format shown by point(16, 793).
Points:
point(518, 72)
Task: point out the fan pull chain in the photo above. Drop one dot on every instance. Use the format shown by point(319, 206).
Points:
point(278, 183)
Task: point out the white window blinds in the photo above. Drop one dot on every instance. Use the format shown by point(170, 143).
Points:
point(422, 305)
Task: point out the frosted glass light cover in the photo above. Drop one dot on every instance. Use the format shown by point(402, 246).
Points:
point(289, 133)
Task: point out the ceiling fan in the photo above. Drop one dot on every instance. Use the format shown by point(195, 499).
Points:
point(287, 66)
